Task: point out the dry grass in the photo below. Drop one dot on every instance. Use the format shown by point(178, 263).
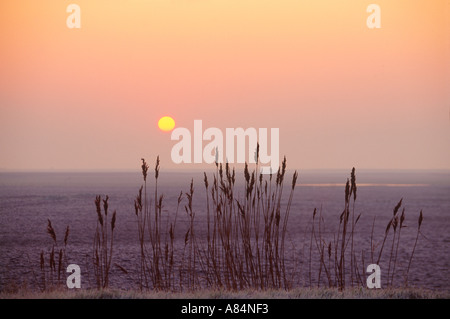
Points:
point(297, 293)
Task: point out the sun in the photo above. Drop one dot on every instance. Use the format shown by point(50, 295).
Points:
point(166, 123)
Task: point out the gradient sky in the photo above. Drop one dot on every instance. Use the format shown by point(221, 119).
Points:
point(342, 94)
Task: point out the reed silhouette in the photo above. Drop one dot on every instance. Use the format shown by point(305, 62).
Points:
point(243, 242)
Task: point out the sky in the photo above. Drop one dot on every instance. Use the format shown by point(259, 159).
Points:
point(342, 95)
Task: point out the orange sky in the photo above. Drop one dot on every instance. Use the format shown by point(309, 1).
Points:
point(342, 94)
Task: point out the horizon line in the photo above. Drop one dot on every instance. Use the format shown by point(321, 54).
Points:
point(180, 170)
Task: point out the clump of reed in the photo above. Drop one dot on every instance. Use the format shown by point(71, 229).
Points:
point(242, 242)
point(334, 253)
point(103, 242)
point(339, 260)
point(246, 234)
point(397, 223)
point(245, 244)
point(53, 267)
point(156, 241)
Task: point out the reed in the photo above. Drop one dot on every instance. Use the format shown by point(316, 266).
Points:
point(342, 240)
point(402, 219)
point(340, 248)
point(156, 241)
point(52, 271)
point(242, 242)
point(244, 246)
point(246, 237)
point(419, 224)
point(103, 243)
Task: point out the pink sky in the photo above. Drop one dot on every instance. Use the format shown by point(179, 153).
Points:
point(342, 94)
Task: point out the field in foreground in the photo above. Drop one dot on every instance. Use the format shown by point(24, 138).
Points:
point(301, 293)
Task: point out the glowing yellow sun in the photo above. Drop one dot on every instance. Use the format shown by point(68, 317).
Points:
point(166, 123)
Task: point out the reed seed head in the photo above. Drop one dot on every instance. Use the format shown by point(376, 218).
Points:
point(157, 167)
point(353, 183)
point(283, 171)
point(66, 236)
point(205, 179)
point(42, 260)
point(136, 207)
point(420, 219)
point(105, 205)
point(113, 221)
point(98, 200)
point(347, 191)
point(396, 208)
point(294, 179)
point(402, 218)
point(191, 188)
point(144, 169)
point(51, 230)
point(138, 202)
point(246, 173)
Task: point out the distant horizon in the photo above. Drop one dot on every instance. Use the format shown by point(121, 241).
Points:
point(200, 170)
